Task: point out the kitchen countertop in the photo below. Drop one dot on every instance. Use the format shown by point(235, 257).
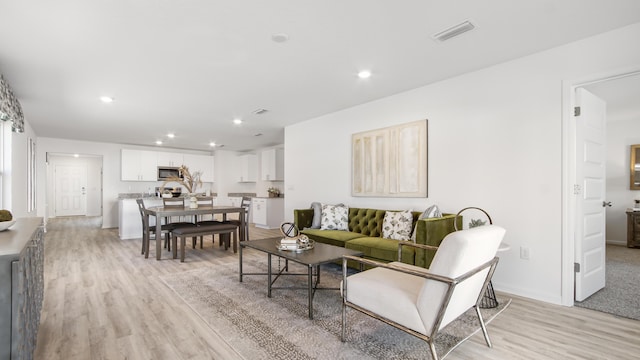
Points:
point(122, 196)
point(241, 194)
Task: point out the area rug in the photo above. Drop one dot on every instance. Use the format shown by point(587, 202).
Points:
point(258, 327)
point(621, 294)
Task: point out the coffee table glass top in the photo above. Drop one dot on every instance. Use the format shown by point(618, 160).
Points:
point(321, 253)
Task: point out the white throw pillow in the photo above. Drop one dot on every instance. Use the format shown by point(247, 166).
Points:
point(397, 225)
point(432, 212)
point(334, 217)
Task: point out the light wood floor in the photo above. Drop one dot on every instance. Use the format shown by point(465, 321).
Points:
point(103, 300)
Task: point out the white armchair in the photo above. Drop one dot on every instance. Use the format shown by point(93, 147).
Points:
point(422, 301)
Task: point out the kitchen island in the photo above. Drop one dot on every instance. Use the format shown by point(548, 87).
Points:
point(129, 220)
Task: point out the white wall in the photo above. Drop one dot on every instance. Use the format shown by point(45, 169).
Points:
point(227, 167)
point(495, 141)
point(621, 134)
point(227, 172)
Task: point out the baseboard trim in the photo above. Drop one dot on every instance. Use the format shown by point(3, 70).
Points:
point(616, 242)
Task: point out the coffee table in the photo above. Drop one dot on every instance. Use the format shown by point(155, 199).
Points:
point(312, 259)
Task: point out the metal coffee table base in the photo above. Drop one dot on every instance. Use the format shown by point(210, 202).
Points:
point(313, 262)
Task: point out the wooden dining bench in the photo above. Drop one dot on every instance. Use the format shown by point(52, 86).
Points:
point(202, 230)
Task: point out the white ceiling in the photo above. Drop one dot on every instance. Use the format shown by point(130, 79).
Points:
point(191, 66)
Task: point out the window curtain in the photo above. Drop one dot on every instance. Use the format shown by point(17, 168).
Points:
point(10, 108)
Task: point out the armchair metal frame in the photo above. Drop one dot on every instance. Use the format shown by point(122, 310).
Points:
point(451, 282)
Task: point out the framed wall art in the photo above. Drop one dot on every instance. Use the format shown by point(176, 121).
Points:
point(390, 162)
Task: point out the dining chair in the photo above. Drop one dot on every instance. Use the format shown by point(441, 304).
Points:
point(205, 220)
point(177, 203)
point(246, 204)
point(147, 229)
point(423, 301)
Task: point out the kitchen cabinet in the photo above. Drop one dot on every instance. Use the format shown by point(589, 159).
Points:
point(235, 201)
point(267, 213)
point(21, 287)
point(138, 165)
point(142, 165)
point(170, 159)
point(272, 161)
point(202, 163)
point(248, 168)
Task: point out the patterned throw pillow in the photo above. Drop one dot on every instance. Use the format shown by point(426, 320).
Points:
point(334, 217)
point(397, 225)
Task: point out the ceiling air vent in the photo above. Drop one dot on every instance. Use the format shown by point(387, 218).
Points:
point(453, 31)
point(260, 111)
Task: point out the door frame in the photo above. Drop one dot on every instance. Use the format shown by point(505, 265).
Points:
point(50, 180)
point(569, 172)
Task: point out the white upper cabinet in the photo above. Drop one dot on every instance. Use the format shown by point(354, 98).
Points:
point(142, 165)
point(138, 165)
point(202, 163)
point(170, 159)
point(248, 171)
point(272, 164)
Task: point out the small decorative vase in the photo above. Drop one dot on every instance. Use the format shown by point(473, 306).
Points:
point(193, 201)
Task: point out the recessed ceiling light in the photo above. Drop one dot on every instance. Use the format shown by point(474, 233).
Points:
point(171, 135)
point(106, 99)
point(237, 121)
point(212, 144)
point(158, 142)
point(364, 74)
point(76, 155)
point(280, 38)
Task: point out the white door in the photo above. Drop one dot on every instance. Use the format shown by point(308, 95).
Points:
point(71, 190)
point(591, 190)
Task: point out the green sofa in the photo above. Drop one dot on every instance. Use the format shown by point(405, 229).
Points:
point(365, 234)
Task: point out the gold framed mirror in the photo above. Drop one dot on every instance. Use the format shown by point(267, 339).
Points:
point(634, 174)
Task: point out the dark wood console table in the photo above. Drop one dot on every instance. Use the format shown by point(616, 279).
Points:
point(633, 228)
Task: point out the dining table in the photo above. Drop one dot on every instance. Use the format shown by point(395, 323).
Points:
point(159, 212)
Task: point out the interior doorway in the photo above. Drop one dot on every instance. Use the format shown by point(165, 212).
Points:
point(619, 90)
point(74, 185)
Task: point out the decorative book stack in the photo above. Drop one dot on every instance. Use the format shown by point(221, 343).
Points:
point(289, 244)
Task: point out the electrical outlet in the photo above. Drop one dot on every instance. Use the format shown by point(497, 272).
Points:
point(524, 253)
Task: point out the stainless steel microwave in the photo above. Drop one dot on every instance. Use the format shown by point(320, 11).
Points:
point(166, 172)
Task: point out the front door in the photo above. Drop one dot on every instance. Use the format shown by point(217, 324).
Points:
point(71, 190)
point(591, 191)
